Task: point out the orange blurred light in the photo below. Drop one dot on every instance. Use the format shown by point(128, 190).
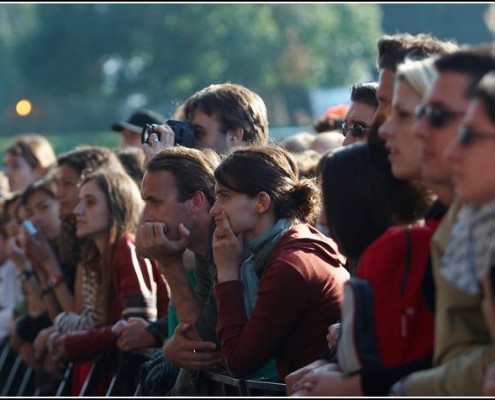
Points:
point(23, 108)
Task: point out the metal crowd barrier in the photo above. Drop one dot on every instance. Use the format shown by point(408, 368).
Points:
point(222, 384)
point(17, 379)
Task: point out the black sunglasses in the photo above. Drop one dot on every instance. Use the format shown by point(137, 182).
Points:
point(357, 130)
point(467, 136)
point(437, 117)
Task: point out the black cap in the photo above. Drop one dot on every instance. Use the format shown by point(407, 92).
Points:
point(138, 120)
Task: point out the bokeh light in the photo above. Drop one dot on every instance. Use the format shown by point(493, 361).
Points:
point(23, 107)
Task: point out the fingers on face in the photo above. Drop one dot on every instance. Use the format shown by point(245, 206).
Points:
point(223, 226)
point(151, 231)
point(183, 230)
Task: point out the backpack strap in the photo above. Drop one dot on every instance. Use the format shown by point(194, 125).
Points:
point(407, 233)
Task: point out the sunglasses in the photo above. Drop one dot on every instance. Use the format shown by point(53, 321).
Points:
point(467, 136)
point(357, 130)
point(437, 117)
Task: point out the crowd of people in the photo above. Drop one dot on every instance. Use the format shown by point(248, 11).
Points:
point(232, 253)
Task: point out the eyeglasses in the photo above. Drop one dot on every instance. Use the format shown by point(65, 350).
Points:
point(357, 130)
point(467, 136)
point(437, 117)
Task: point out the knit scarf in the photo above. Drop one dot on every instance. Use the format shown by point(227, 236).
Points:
point(471, 249)
point(252, 268)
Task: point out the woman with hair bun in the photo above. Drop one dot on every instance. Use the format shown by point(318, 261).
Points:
point(279, 279)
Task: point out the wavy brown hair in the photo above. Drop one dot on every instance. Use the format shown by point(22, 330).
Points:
point(124, 205)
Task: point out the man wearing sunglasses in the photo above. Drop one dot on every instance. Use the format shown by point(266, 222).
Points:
point(440, 114)
point(463, 348)
point(360, 113)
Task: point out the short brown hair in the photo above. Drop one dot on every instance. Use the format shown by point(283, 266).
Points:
point(89, 158)
point(192, 170)
point(234, 105)
point(474, 61)
point(393, 49)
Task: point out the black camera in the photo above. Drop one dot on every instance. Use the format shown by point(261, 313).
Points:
point(184, 133)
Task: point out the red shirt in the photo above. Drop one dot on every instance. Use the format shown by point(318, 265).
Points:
point(299, 296)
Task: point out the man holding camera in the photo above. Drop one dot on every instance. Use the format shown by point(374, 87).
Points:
point(221, 116)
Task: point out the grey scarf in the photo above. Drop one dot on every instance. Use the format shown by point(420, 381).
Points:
point(252, 268)
point(471, 249)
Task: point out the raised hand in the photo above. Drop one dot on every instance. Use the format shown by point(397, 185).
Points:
point(15, 251)
point(153, 241)
point(38, 251)
point(165, 139)
point(227, 249)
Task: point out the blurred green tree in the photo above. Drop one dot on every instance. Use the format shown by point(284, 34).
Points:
point(82, 61)
point(462, 22)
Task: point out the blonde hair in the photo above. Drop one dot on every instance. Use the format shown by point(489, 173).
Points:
point(419, 74)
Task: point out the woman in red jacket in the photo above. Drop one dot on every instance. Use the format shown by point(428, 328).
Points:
point(278, 302)
point(115, 283)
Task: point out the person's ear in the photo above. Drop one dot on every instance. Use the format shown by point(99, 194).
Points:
point(235, 136)
point(196, 202)
point(264, 202)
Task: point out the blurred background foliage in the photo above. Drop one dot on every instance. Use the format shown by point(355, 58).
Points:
point(86, 65)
